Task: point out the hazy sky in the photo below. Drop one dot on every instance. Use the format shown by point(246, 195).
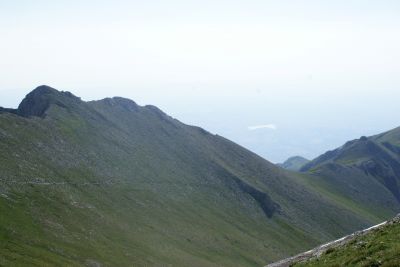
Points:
point(281, 78)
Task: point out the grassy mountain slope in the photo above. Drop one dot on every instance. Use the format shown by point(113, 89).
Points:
point(294, 163)
point(380, 247)
point(364, 172)
point(111, 183)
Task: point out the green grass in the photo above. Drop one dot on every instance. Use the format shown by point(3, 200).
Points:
point(325, 185)
point(378, 248)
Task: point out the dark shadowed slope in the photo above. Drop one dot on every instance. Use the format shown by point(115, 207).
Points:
point(113, 183)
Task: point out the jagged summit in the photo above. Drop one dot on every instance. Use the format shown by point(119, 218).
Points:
point(37, 102)
point(43, 89)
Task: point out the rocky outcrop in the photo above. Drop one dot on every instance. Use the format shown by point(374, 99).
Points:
point(318, 251)
point(37, 102)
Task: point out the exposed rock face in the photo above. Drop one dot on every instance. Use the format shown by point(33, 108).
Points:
point(37, 102)
point(264, 200)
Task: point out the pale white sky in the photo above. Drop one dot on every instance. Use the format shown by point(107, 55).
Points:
point(317, 73)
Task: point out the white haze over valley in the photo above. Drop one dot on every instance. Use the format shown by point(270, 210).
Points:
point(281, 78)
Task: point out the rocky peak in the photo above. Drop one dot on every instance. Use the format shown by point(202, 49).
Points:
point(38, 101)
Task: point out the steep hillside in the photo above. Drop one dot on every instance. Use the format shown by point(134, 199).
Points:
point(112, 183)
point(389, 139)
point(294, 163)
point(378, 247)
point(366, 171)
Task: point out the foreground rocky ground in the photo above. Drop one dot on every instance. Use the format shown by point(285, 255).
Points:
point(339, 252)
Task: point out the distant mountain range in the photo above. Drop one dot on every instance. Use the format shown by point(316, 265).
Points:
point(294, 163)
point(112, 183)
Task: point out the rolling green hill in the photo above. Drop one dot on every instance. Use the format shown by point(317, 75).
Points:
point(112, 183)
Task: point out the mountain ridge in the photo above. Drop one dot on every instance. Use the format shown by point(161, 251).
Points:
point(112, 182)
point(376, 157)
